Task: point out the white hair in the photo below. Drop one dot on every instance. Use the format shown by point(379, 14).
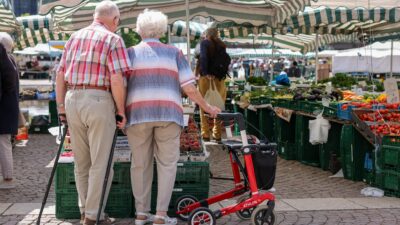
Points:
point(151, 24)
point(106, 9)
point(6, 41)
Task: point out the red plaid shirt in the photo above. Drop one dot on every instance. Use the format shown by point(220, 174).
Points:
point(91, 55)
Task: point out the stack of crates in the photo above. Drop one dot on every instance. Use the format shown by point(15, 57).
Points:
point(285, 137)
point(266, 123)
point(252, 122)
point(306, 152)
point(120, 199)
point(355, 155)
point(192, 178)
point(388, 177)
point(331, 147)
point(53, 115)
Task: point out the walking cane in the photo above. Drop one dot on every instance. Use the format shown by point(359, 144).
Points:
point(52, 172)
point(110, 159)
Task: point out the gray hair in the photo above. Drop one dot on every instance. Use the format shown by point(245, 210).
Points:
point(106, 9)
point(151, 24)
point(6, 41)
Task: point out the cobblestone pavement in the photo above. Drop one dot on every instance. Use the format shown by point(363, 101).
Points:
point(294, 181)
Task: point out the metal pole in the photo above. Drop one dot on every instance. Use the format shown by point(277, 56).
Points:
point(391, 59)
point(272, 56)
point(316, 56)
point(188, 33)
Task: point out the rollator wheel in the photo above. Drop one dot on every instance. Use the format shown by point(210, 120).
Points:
point(202, 216)
point(262, 215)
point(244, 214)
point(181, 203)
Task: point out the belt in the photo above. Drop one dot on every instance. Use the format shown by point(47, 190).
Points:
point(87, 87)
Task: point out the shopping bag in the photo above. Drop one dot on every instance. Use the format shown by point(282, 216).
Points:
point(319, 130)
point(213, 97)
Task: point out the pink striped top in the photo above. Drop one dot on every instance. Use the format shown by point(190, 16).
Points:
point(92, 55)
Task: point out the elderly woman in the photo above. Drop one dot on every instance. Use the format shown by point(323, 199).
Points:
point(9, 92)
point(154, 114)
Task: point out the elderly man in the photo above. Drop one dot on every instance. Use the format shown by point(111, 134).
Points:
point(9, 94)
point(92, 65)
point(155, 115)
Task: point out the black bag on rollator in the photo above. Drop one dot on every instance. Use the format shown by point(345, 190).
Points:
point(264, 162)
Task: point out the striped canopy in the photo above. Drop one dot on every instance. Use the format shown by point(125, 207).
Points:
point(341, 20)
point(8, 22)
point(260, 52)
point(36, 22)
point(70, 17)
point(30, 37)
point(301, 43)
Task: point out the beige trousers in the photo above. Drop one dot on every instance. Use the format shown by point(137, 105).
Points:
point(6, 157)
point(149, 140)
point(204, 85)
point(91, 121)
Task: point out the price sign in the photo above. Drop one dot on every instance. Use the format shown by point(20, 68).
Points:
point(392, 91)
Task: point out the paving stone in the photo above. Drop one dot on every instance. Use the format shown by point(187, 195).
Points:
point(377, 203)
point(312, 204)
point(4, 207)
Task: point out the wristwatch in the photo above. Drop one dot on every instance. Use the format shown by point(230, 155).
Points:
point(59, 105)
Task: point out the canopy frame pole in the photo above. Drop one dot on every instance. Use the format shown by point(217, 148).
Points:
point(316, 54)
point(391, 59)
point(272, 56)
point(188, 33)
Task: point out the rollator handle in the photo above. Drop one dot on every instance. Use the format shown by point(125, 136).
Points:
point(237, 117)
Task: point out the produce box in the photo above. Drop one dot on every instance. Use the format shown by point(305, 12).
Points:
point(389, 181)
point(353, 149)
point(390, 153)
point(120, 200)
point(344, 111)
point(266, 123)
point(306, 152)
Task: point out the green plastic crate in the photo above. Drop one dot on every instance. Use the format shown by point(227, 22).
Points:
point(353, 147)
point(252, 123)
point(331, 146)
point(390, 153)
point(190, 175)
point(267, 123)
point(53, 115)
point(285, 132)
point(200, 193)
point(306, 152)
point(388, 180)
point(287, 150)
point(119, 204)
point(65, 179)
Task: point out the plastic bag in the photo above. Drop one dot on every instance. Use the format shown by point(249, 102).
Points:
point(213, 97)
point(319, 130)
point(282, 79)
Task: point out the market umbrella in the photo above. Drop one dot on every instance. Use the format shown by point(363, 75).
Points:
point(8, 22)
point(70, 17)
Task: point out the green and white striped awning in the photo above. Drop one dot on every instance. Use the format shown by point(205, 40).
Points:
point(36, 22)
point(30, 37)
point(262, 52)
point(341, 20)
point(8, 22)
point(68, 17)
point(301, 43)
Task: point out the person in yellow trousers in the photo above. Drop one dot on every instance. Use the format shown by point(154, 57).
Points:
point(208, 52)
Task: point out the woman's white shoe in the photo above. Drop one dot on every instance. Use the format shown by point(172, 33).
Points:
point(164, 220)
point(149, 218)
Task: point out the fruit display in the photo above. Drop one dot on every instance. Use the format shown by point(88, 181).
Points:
point(190, 138)
point(381, 122)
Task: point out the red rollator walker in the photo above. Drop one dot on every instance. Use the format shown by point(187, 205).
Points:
point(249, 205)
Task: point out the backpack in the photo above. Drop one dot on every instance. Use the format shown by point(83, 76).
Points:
point(219, 63)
